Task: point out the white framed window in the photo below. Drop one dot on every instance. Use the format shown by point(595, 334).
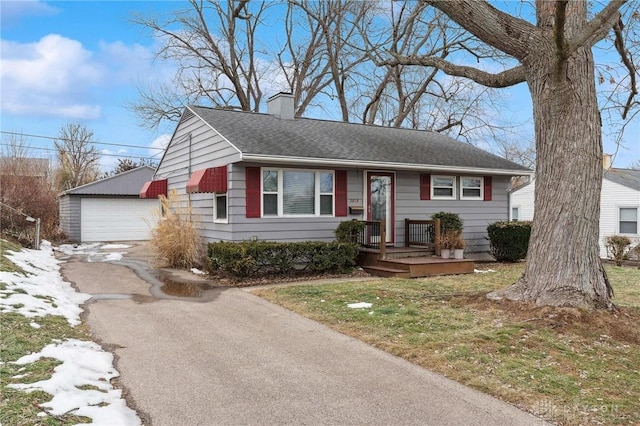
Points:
point(515, 214)
point(471, 188)
point(297, 192)
point(628, 220)
point(443, 187)
point(220, 208)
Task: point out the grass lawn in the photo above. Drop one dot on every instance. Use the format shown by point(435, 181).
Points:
point(566, 365)
point(19, 338)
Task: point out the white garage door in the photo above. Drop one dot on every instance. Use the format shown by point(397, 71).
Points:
point(113, 219)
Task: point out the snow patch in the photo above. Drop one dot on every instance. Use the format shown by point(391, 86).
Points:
point(83, 364)
point(482, 271)
point(40, 291)
point(198, 271)
point(359, 305)
point(105, 257)
point(115, 246)
point(34, 324)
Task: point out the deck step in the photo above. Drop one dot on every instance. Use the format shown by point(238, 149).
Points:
point(383, 271)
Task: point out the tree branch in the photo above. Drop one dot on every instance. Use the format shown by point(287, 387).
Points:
point(597, 28)
point(627, 60)
point(506, 78)
point(496, 28)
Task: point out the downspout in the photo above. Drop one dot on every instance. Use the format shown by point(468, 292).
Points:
point(189, 176)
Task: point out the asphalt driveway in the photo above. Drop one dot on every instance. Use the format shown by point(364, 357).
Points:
point(231, 358)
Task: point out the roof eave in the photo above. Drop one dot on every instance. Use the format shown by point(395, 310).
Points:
point(261, 158)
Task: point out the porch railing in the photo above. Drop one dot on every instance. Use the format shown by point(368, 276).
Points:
point(422, 233)
point(374, 236)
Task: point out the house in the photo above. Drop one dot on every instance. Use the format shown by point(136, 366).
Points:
point(109, 209)
point(274, 177)
point(619, 204)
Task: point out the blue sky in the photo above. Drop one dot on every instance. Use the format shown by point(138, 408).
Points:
point(80, 61)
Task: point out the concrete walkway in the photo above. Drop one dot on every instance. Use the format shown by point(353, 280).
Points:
point(233, 359)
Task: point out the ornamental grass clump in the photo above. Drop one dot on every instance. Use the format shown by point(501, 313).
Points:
point(175, 238)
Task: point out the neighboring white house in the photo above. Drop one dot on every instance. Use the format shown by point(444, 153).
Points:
point(619, 205)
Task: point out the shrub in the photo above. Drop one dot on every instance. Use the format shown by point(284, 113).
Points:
point(266, 258)
point(509, 240)
point(448, 222)
point(175, 238)
point(618, 248)
point(349, 231)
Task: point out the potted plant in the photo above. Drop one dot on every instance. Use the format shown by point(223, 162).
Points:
point(458, 245)
point(447, 242)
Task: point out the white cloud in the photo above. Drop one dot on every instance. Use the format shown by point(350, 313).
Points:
point(160, 142)
point(50, 77)
point(11, 12)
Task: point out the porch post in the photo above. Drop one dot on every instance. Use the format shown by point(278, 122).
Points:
point(436, 233)
point(383, 240)
point(406, 232)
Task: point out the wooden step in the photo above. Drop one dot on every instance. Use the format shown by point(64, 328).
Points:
point(383, 271)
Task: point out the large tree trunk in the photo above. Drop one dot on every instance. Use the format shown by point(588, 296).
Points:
point(564, 266)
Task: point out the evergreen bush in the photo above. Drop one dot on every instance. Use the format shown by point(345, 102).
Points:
point(349, 231)
point(509, 240)
point(253, 259)
point(449, 222)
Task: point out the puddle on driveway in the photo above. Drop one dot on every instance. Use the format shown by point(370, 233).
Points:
point(183, 289)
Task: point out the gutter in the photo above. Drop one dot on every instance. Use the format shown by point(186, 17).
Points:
point(257, 158)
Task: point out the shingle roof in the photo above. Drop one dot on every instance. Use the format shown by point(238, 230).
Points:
point(626, 177)
point(267, 135)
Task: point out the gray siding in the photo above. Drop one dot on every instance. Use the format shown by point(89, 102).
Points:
point(278, 228)
point(476, 215)
point(69, 208)
point(196, 146)
point(127, 183)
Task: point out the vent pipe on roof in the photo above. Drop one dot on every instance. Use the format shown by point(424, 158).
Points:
point(281, 106)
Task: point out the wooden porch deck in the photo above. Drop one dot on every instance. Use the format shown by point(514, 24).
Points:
point(410, 262)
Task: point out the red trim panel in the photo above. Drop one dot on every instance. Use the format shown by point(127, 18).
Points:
point(208, 180)
point(253, 191)
point(425, 186)
point(154, 189)
point(488, 188)
point(340, 201)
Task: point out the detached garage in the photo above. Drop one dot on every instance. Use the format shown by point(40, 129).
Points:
point(110, 209)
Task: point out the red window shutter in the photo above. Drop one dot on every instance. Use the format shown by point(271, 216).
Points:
point(487, 188)
point(253, 191)
point(425, 186)
point(340, 200)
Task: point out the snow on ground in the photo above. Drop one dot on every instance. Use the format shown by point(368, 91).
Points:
point(482, 271)
point(197, 271)
point(83, 364)
point(115, 246)
point(71, 249)
point(93, 251)
point(41, 291)
point(105, 257)
point(359, 305)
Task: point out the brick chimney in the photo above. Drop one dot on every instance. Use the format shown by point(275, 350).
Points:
point(607, 161)
point(281, 106)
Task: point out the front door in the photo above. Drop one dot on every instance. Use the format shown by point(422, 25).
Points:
point(381, 195)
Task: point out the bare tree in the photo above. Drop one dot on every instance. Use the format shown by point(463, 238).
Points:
point(555, 59)
point(26, 188)
point(214, 46)
point(77, 157)
point(321, 54)
point(126, 164)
